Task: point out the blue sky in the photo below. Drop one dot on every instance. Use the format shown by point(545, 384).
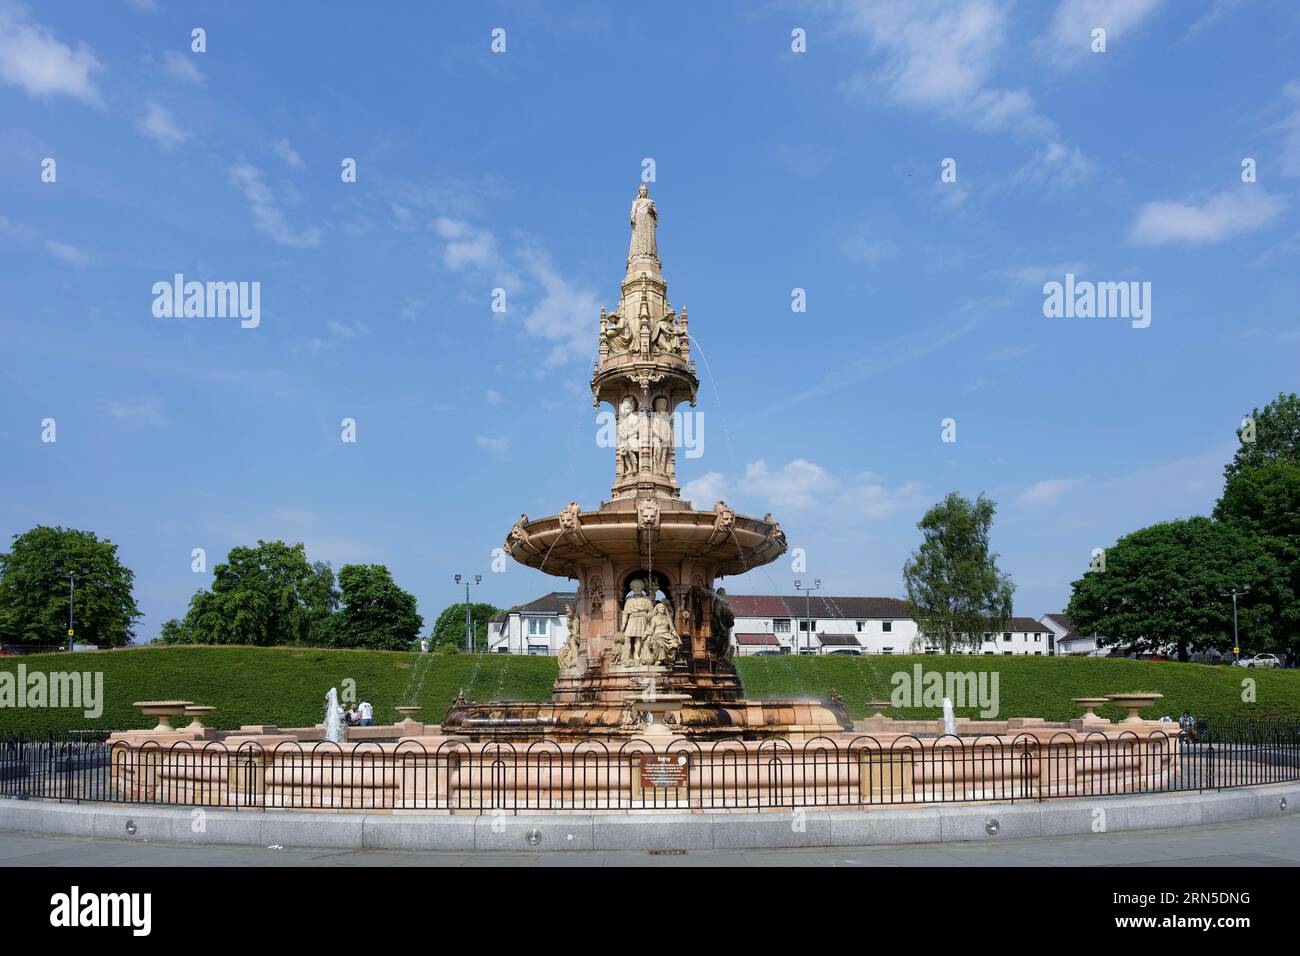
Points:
point(774, 170)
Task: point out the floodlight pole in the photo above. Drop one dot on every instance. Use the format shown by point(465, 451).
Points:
point(807, 593)
point(469, 635)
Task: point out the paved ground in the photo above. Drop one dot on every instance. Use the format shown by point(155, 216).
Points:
point(1271, 842)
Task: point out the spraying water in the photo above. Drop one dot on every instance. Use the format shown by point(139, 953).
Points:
point(949, 719)
point(333, 717)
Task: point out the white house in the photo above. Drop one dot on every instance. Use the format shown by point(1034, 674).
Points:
point(1069, 642)
point(538, 627)
point(783, 625)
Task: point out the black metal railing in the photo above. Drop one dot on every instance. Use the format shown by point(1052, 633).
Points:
point(640, 773)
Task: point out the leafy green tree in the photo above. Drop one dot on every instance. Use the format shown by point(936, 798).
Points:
point(34, 594)
point(1265, 503)
point(174, 632)
point(1277, 436)
point(1168, 585)
point(450, 626)
point(265, 595)
point(376, 613)
point(954, 587)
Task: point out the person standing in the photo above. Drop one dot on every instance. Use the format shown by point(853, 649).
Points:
point(366, 713)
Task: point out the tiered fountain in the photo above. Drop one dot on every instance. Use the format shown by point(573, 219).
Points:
point(648, 625)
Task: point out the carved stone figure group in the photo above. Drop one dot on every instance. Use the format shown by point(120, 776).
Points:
point(646, 634)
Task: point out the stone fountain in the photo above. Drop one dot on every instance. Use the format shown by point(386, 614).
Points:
point(648, 620)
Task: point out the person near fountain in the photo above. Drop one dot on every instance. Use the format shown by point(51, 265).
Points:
point(365, 714)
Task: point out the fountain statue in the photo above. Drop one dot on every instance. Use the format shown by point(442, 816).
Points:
point(645, 561)
point(333, 717)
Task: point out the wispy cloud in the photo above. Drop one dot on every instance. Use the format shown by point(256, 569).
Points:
point(1069, 36)
point(287, 153)
point(267, 216)
point(499, 445)
point(181, 67)
point(804, 486)
point(34, 59)
point(1221, 216)
point(160, 127)
point(142, 411)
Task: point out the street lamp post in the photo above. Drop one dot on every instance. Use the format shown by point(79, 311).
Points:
point(469, 634)
point(72, 598)
point(1236, 643)
point(807, 593)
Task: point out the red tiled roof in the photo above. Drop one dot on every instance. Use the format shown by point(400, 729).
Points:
point(838, 640)
point(756, 639)
point(824, 608)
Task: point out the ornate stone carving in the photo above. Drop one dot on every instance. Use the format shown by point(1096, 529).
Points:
point(647, 514)
point(519, 541)
point(633, 624)
point(662, 643)
point(629, 438)
point(570, 653)
point(644, 219)
point(661, 438)
point(721, 623)
point(618, 334)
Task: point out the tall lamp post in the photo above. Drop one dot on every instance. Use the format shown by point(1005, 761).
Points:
point(72, 597)
point(469, 634)
point(1236, 644)
point(807, 594)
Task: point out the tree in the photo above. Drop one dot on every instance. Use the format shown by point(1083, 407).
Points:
point(450, 626)
point(174, 632)
point(34, 594)
point(1169, 586)
point(376, 613)
point(954, 587)
point(1264, 502)
point(265, 595)
point(1276, 438)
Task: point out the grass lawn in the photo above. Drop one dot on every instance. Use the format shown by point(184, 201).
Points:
point(286, 686)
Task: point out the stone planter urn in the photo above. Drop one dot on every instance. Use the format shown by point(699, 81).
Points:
point(1133, 703)
point(196, 715)
point(878, 709)
point(1088, 704)
point(408, 714)
point(164, 710)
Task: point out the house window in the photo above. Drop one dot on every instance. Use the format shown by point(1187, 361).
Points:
point(886, 650)
point(781, 625)
point(861, 626)
point(539, 649)
point(803, 625)
point(987, 636)
point(887, 626)
point(1038, 638)
point(1006, 637)
point(536, 627)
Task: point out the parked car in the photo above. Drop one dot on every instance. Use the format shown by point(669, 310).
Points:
point(1260, 660)
point(767, 654)
point(845, 650)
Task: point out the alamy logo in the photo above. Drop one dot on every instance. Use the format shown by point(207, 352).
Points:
point(57, 689)
point(1101, 300)
point(179, 299)
point(74, 909)
point(922, 688)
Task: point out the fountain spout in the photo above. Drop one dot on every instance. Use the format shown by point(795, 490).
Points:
point(333, 717)
point(949, 719)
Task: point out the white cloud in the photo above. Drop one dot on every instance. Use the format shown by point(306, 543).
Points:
point(494, 397)
point(288, 154)
point(1070, 35)
point(1055, 164)
point(703, 491)
point(940, 56)
point(159, 126)
point(181, 67)
point(144, 411)
point(877, 501)
point(66, 252)
point(1224, 214)
point(32, 58)
point(567, 315)
point(499, 445)
point(468, 246)
point(799, 484)
point(267, 216)
point(1047, 491)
